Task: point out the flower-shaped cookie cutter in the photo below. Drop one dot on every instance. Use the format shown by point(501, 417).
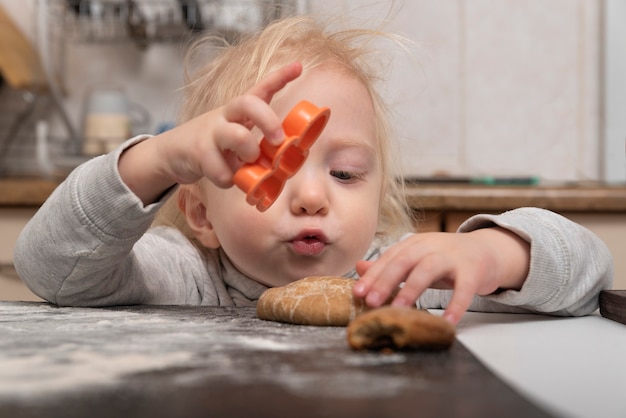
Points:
point(263, 180)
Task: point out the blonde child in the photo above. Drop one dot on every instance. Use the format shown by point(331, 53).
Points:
point(92, 243)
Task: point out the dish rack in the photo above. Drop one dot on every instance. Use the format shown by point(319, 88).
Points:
point(146, 21)
point(61, 24)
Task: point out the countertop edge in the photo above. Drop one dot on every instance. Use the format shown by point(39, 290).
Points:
point(481, 198)
point(25, 192)
point(442, 197)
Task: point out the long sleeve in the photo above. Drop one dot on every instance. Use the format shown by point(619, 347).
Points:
point(83, 246)
point(569, 266)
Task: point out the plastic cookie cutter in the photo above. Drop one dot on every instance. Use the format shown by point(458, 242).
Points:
point(263, 180)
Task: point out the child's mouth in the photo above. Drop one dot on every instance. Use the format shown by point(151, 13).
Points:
point(309, 245)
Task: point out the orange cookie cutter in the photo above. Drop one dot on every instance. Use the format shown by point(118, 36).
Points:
point(263, 180)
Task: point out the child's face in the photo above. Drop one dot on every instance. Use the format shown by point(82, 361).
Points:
point(326, 217)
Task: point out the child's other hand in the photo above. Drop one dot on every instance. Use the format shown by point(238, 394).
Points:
point(213, 145)
point(474, 263)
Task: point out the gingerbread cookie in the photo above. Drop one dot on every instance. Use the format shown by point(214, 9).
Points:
point(322, 300)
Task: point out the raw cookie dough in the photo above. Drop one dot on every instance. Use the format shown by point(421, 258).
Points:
point(321, 300)
point(396, 328)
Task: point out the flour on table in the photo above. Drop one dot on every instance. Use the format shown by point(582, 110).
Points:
point(37, 374)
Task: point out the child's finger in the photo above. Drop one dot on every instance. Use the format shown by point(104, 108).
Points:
point(239, 140)
point(369, 278)
point(362, 267)
point(241, 115)
point(362, 285)
point(430, 269)
point(460, 301)
point(375, 271)
point(276, 81)
point(215, 167)
point(384, 276)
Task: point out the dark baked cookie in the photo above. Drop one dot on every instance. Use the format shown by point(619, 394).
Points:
point(396, 328)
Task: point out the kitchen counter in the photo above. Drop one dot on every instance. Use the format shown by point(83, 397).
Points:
point(25, 191)
point(148, 361)
point(561, 198)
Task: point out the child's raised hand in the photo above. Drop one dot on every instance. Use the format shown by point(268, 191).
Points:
point(231, 127)
point(212, 145)
point(474, 263)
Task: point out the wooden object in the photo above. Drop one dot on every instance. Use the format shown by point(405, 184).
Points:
point(25, 192)
point(613, 305)
point(591, 197)
point(19, 62)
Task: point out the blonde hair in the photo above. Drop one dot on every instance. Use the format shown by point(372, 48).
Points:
point(235, 69)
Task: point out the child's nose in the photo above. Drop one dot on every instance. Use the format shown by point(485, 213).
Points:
point(308, 193)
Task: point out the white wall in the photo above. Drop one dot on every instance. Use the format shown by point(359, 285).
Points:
point(498, 87)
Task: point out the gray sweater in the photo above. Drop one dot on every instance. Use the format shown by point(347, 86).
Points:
point(91, 244)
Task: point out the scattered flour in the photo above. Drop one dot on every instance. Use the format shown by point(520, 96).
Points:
point(47, 351)
point(37, 374)
point(268, 344)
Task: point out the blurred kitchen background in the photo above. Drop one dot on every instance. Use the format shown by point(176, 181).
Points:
point(502, 88)
point(489, 87)
point(91, 73)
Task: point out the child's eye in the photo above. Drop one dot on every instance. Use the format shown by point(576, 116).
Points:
point(346, 176)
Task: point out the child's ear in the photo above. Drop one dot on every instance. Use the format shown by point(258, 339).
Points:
point(194, 210)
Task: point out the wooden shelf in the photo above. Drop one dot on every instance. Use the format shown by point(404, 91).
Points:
point(25, 192)
point(569, 198)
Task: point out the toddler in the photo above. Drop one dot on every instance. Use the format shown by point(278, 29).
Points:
point(96, 242)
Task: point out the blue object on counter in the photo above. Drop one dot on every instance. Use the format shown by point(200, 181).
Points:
point(506, 181)
point(484, 180)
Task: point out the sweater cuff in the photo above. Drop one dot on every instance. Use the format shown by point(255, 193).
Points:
point(546, 280)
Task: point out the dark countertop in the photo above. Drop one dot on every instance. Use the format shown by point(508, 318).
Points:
point(149, 361)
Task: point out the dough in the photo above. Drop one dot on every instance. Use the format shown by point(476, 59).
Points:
point(396, 328)
point(320, 300)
